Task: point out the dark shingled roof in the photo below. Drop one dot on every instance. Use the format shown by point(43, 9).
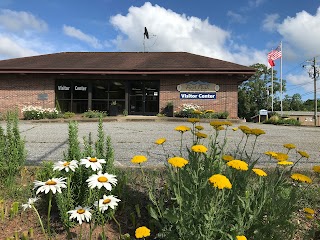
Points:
point(122, 63)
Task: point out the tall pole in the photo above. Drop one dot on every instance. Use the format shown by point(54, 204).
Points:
point(281, 78)
point(271, 89)
point(315, 91)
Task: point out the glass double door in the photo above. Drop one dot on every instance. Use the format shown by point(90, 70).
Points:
point(144, 97)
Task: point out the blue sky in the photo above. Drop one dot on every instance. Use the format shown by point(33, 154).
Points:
point(240, 31)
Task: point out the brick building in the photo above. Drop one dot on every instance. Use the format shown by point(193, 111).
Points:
point(138, 83)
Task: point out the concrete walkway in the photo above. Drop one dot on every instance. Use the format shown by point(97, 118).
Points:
point(47, 140)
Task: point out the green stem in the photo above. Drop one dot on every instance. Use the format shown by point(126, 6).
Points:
point(244, 147)
point(80, 234)
point(254, 144)
point(40, 221)
point(114, 219)
point(294, 164)
point(49, 212)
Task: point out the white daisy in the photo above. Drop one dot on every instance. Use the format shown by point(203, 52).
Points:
point(92, 162)
point(65, 165)
point(81, 214)
point(30, 202)
point(106, 202)
point(53, 184)
point(102, 180)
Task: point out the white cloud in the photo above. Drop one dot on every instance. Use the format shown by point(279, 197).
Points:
point(270, 22)
point(303, 80)
point(178, 32)
point(11, 47)
point(21, 21)
point(236, 17)
point(302, 33)
point(78, 34)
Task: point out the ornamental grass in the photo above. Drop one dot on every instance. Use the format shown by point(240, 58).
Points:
point(214, 192)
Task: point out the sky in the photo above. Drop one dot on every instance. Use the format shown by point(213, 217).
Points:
point(239, 31)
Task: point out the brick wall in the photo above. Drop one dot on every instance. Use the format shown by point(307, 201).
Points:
point(17, 91)
point(226, 98)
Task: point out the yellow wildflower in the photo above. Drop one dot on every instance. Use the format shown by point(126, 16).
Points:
point(309, 210)
point(238, 164)
point(235, 129)
point(216, 124)
point(160, 141)
point(289, 146)
point(199, 127)
point(201, 135)
point(309, 216)
point(199, 148)
point(142, 232)
point(182, 129)
point(285, 163)
point(178, 162)
point(193, 120)
point(241, 237)
point(138, 159)
point(245, 129)
point(301, 178)
point(220, 181)
point(303, 154)
point(271, 153)
point(259, 172)
point(227, 158)
point(257, 132)
point(281, 157)
point(316, 169)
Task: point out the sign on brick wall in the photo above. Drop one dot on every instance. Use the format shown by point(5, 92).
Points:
point(198, 90)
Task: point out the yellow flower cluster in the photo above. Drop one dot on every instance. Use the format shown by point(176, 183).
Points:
point(138, 159)
point(182, 129)
point(303, 154)
point(301, 178)
point(309, 213)
point(178, 162)
point(218, 125)
point(160, 141)
point(316, 169)
point(253, 131)
point(285, 163)
point(238, 164)
point(220, 181)
point(241, 237)
point(289, 146)
point(259, 172)
point(198, 127)
point(142, 232)
point(193, 120)
point(227, 158)
point(199, 148)
point(201, 135)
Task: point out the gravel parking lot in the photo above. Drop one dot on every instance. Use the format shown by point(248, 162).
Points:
point(48, 141)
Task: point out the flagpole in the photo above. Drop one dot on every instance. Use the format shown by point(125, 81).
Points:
point(271, 88)
point(281, 77)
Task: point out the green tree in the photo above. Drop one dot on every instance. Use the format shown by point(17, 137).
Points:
point(255, 93)
point(294, 103)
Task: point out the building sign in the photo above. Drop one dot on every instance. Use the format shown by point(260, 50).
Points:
point(63, 88)
point(198, 95)
point(198, 86)
point(198, 90)
point(77, 88)
point(43, 96)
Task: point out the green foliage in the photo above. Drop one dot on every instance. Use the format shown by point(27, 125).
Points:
point(67, 115)
point(282, 121)
point(190, 207)
point(77, 192)
point(12, 150)
point(94, 114)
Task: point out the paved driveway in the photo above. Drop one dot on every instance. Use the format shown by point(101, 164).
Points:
point(48, 141)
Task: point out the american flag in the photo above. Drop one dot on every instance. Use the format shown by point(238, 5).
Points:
point(275, 54)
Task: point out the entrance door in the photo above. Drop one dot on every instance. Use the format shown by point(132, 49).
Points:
point(144, 98)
